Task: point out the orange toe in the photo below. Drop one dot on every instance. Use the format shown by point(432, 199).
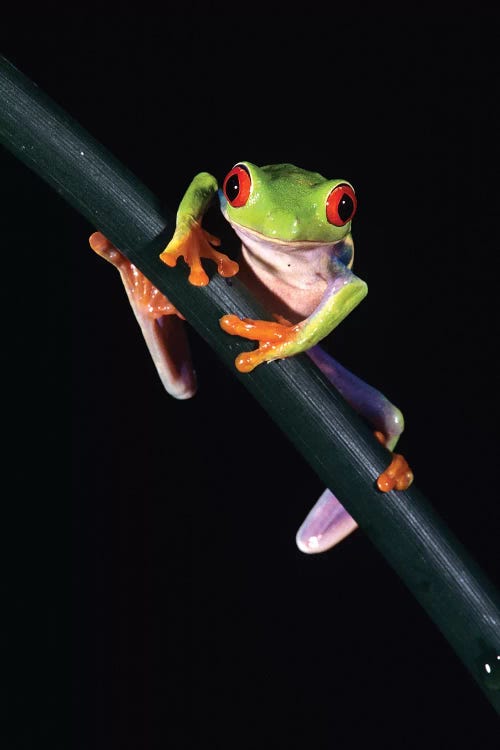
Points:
point(397, 476)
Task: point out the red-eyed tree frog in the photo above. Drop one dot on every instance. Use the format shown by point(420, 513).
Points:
point(296, 258)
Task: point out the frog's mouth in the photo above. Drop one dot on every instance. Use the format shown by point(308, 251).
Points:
point(309, 252)
point(251, 236)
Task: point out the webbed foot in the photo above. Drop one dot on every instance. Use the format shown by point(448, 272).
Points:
point(274, 339)
point(143, 295)
point(193, 243)
point(398, 475)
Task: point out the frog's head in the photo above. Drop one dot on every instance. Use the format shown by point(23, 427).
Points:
point(283, 202)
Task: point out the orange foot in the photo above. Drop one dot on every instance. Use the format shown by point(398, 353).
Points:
point(193, 244)
point(272, 338)
point(143, 295)
point(398, 475)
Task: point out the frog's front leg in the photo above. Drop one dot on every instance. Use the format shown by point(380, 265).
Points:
point(190, 241)
point(277, 340)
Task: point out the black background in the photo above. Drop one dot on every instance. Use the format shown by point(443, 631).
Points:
point(195, 621)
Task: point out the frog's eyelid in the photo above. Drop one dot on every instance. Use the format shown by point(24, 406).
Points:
point(237, 186)
point(341, 204)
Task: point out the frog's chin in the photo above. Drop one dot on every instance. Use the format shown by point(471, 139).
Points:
point(297, 265)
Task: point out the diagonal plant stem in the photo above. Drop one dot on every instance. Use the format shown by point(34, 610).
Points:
point(332, 438)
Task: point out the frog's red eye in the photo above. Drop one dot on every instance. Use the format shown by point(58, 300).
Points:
point(341, 205)
point(237, 186)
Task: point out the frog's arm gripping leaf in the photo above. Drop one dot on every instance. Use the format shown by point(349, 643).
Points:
point(190, 240)
point(279, 340)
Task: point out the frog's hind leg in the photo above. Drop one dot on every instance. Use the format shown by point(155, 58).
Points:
point(367, 401)
point(160, 323)
point(328, 522)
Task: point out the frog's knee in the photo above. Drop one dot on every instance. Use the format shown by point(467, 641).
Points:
point(394, 425)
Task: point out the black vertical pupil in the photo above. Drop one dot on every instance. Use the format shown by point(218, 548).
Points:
point(233, 187)
point(346, 207)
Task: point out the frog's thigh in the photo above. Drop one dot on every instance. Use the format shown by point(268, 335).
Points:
point(367, 401)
